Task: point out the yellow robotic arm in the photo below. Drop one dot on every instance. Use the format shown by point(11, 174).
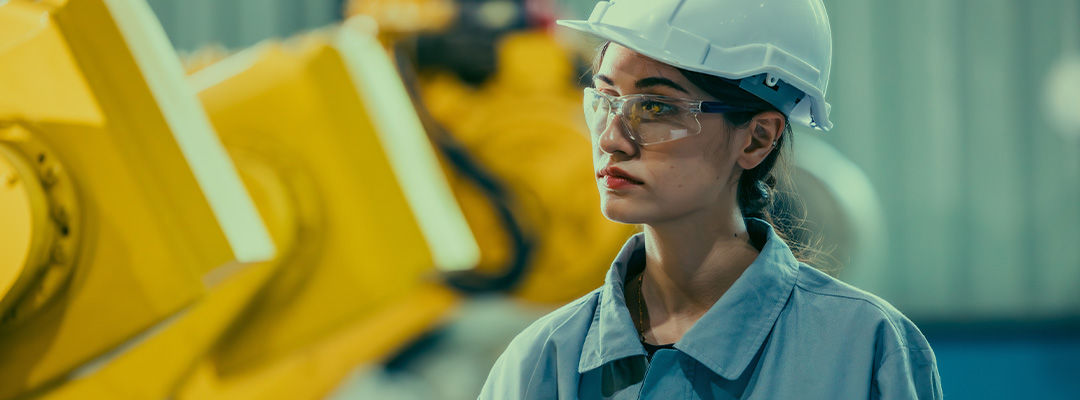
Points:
point(118, 201)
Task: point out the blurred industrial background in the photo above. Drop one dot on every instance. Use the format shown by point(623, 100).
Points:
point(229, 218)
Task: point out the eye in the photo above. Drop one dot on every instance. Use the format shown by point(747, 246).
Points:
point(657, 109)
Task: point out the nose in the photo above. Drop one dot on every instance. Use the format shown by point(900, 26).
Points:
point(614, 138)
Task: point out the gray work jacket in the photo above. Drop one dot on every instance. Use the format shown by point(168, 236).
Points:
point(784, 330)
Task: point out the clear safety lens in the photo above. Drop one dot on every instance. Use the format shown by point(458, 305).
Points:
point(648, 119)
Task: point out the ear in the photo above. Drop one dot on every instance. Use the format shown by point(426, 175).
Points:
point(764, 130)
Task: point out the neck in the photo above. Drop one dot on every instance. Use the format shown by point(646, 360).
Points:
point(689, 264)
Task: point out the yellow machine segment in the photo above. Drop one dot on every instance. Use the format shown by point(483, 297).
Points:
point(122, 200)
point(375, 219)
point(525, 125)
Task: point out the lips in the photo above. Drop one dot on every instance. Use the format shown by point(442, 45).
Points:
point(617, 175)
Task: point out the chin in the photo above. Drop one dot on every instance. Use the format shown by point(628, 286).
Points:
point(623, 211)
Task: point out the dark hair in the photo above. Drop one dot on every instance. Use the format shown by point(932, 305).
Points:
point(758, 187)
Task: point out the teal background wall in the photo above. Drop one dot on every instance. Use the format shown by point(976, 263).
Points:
point(191, 24)
point(941, 103)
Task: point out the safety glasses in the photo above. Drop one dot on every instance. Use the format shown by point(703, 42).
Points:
point(649, 118)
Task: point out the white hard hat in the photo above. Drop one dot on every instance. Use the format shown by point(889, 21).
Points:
point(779, 50)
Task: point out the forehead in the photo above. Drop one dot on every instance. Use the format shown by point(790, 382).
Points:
point(625, 67)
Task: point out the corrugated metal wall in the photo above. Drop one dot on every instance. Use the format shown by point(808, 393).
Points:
point(940, 101)
point(240, 23)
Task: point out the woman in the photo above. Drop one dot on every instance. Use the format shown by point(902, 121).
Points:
point(689, 113)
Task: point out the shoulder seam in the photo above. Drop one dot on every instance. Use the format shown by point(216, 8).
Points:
point(904, 348)
point(884, 313)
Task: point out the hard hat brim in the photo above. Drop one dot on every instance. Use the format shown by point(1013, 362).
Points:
point(606, 33)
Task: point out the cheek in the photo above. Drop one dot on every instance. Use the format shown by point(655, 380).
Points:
point(684, 181)
point(697, 164)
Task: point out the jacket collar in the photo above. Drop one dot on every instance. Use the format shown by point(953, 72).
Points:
point(612, 334)
point(727, 336)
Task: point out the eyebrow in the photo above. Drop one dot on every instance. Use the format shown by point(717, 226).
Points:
point(646, 82)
